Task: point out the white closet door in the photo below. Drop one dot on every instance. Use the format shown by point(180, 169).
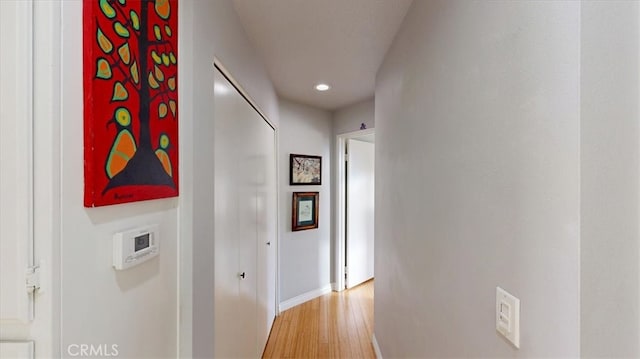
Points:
point(246, 154)
point(229, 333)
point(266, 224)
point(360, 212)
point(245, 221)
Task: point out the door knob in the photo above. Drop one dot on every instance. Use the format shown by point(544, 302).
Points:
point(269, 243)
point(241, 275)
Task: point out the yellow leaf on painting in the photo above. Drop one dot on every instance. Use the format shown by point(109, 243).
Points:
point(156, 31)
point(119, 92)
point(165, 59)
point(162, 8)
point(134, 72)
point(172, 106)
point(152, 81)
point(135, 20)
point(167, 30)
point(120, 29)
point(159, 74)
point(171, 83)
point(107, 9)
point(104, 42)
point(162, 110)
point(156, 58)
point(124, 53)
point(104, 69)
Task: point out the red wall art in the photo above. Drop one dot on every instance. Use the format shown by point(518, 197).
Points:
point(130, 100)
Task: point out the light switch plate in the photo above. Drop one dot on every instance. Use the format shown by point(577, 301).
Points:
point(508, 316)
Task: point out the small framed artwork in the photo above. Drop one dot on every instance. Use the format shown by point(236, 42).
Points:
point(305, 170)
point(305, 210)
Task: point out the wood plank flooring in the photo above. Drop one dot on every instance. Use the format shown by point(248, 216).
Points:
point(335, 325)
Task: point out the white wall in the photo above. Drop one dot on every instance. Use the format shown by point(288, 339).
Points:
point(478, 179)
point(349, 119)
point(610, 263)
point(134, 309)
point(304, 255)
point(209, 29)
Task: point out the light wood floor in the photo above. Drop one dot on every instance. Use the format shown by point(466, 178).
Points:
point(336, 325)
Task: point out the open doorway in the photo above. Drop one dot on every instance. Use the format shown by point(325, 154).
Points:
point(355, 208)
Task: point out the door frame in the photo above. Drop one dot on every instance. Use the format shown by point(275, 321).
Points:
point(341, 178)
point(42, 169)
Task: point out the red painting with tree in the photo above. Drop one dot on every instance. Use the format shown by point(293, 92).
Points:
point(130, 100)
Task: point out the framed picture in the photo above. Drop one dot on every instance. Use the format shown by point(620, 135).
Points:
point(305, 210)
point(130, 51)
point(305, 170)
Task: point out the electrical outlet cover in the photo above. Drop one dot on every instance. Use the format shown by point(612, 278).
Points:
point(508, 316)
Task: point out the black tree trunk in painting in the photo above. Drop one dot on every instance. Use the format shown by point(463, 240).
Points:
point(144, 168)
point(144, 140)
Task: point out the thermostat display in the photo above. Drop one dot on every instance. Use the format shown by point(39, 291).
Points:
point(142, 241)
point(135, 246)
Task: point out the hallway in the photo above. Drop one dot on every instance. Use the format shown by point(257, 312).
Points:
point(335, 325)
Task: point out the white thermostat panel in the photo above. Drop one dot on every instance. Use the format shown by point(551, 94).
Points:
point(135, 246)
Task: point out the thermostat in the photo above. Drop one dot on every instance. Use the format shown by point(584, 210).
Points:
point(135, 246)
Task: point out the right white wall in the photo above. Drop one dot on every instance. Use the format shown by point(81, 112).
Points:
point(512, 133)
point(610, 268)
point(478, 179)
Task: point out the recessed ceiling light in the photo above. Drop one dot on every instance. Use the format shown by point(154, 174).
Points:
point(322, 87)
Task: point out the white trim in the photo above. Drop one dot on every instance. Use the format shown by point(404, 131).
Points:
point(358, 133)
point(340, 203)
point(17, 349)
point(277, 239)
point(334, 287)
point(47, 174)
point(376, 346)
point(305, 297)
point(639, 177)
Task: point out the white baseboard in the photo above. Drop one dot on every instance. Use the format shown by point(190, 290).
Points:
point(376, 347)
point(334, 287)
point(305, 297)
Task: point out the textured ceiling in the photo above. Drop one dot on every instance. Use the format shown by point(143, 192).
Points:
point(340, 42)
